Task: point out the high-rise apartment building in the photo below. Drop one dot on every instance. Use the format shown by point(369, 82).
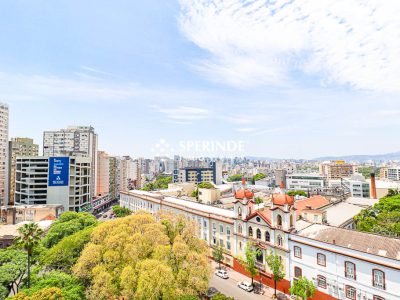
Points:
point(103, 174)
point(54, 180)
point(3, 153)
point(18, 147)
point(337, 169)
point(73, 141)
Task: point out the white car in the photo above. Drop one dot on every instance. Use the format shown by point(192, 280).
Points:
point(222, 273)
point(245, 286)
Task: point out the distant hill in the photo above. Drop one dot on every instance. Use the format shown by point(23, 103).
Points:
point(363, 158)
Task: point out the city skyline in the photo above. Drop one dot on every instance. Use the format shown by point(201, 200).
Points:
point(184, 71)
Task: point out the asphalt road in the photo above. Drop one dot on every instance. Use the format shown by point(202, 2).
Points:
point(229, 288)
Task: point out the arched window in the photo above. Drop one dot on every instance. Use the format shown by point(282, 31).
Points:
point(279, 220)
point(267, 236)
point(250, 231)
point(239, 211)
point(240, 228)
point(291, 221)
point(259, 234)
point(280, 241)
point(321, 281)
point(378, 279)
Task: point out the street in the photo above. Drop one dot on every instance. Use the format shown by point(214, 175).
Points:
point(229, 288)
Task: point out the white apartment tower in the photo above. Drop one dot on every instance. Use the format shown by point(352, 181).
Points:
point(3, 154)
point(73, 141)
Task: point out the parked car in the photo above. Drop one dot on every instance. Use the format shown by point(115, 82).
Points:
point(211, 292)
point(222, 273)
point(245, 285)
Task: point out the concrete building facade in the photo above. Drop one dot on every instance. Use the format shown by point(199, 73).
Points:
point(36, 182)
point(4, 120)
point(73, 141)
point(18, 147)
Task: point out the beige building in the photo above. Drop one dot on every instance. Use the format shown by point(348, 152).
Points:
point(29, 213)
point(337, 169)
point(18, 147)
point(3, 153)
point(103, 174)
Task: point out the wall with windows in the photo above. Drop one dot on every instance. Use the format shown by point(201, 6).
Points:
point(343, 277)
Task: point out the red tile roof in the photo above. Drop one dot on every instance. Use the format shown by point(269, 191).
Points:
point(314, 201)
point(244, 193)
point(282, 199)
point(263, 214)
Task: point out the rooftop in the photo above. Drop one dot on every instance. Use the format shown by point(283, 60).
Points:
point(314, 201)
point(360, 241)
point(340, 213)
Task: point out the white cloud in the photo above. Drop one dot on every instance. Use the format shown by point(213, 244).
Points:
point(246, 129)
point(184, 113)
point(261, 42)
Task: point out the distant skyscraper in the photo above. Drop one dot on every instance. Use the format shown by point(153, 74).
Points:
point(18, 147)
point(3, 154)
point(103, 174)
point(73, 141)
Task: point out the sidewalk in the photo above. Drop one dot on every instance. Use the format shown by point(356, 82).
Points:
point(268, 291)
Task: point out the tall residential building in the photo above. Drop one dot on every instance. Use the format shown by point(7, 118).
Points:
point(54, 180)
point(18, 147)
point(336, 169)
point(3, 153)
point(114, 176)
point(103, 174)
point(213, 173)
point(73, 141)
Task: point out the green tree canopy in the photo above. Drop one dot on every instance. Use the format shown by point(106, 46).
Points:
point(13, 267)
point(297, 192)
point(68, 287)
point(218, 254)
point(141, 258)
point(303, 288)
point(275, 265)
point(383, 218)
point(120, 211)
point(161, 183)
point(236, 177)
point(250, 259)
point(205, 185)
point(66, 252)
point(257, 177)
point(68, 223)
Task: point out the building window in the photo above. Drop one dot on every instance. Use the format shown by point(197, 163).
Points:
point(321, 281)
point(378, 279)
point(240, 245)
point(240, 229)
point(214, 240)
point(221, 228)
point(221, 242)
point(297, 272)
point(291, 221)
point(205, 224)
point(321, 259)
point(239, 211)
point(228, 245)
point(378, 297)
point(267, 236)
point(214, 226)
point(228, 230)
point(350, 270)
point(259, 234)
point(350, 292)
point(250, 231)
point(297, 252)
point(280, 241)
point(279, 220)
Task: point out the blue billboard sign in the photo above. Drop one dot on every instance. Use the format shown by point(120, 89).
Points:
point(58, 171)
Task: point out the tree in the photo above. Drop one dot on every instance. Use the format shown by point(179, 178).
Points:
point(303, 288)
point(392, 192)
point(66, 252)
point(236, 177)
point(275, 265)
point(68, 223)
point(258, 200)
point(29, 237)
point(250, 259)
point(297, 192)
point(142, 256)
point(70, 288)
point(13, 267)
point(120, 211)
point(43, 294)
point(218, 254)
point(161, 183)
point(205, 185)
point(257, 177)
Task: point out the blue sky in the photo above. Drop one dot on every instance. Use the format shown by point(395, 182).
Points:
point(287, 78)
